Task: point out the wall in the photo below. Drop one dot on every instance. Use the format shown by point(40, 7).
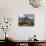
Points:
point(12, 8)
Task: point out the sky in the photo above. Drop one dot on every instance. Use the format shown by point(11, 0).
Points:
point(30, 16)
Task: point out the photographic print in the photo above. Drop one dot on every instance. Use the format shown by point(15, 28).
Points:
point(26, 20)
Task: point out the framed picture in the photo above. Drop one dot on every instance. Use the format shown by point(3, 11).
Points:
point(26, 20)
